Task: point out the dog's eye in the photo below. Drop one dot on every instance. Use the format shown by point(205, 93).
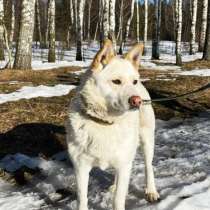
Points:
point(135, 81)
point(117, 82)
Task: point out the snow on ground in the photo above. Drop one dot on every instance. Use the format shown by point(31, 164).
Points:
point(28, 92)
point(196, 72)
point(182, 168)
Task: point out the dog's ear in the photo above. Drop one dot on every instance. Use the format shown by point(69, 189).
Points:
point(103, 57)
point(134, 55)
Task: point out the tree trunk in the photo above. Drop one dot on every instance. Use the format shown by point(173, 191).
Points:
point(23, 56)
point(1, 31)
point(137, 22)
point(178, 20)
point(88, 24)
point(105, 19)
point(156, 33)
point(119, 34)
point(38, 23)
point(11, 36)
point(80, 15)
point(203, 25)
point(51, 52)
point(145, 23)
point(127, 29)
point(193, 27)
point(206, 53)
point(112, 21)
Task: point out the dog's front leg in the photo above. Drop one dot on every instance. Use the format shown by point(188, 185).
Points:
point(122, 183)
point(82, 176)
point(147, 140)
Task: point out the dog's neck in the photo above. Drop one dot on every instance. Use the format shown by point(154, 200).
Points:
point(95, 113)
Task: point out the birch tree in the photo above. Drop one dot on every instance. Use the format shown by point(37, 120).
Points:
point(156, 33)
point(178, 22)
point(105, 18)
point(137, 22)
point(127, 28)
point(206, 53)
point(79, 37)
point(193, 27)
point(11, 35)
point(23, 56)
point(51, 36)
point(145, 23)
point(1, 30)
point(203, 25)
point(112, 21)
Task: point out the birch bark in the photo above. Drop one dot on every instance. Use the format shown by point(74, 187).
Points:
point(193, 27)
point(23, 56)
point(51, 52)
point(203, 25)
point(80, 16)
point(178, 21)
point(127, 29)
point(145, 23)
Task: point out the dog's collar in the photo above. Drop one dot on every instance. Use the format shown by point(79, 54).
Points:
point(90, 115)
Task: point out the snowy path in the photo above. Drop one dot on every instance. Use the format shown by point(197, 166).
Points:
point(182, 168)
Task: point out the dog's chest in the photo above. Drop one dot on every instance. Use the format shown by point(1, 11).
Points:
point(111, 145)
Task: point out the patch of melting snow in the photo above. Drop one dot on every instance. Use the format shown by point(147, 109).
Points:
point(196, 72)
point(27, 92)
point(182, 162)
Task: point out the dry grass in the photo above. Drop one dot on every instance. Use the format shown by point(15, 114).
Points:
point(199, 64)
point(35, 126)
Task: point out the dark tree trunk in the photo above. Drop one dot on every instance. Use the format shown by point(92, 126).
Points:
point(156, 33)
point(206, 53)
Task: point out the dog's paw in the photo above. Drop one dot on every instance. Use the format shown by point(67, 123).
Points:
point(152, 196)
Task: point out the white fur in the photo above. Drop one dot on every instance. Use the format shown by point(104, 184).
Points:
point(102, 130)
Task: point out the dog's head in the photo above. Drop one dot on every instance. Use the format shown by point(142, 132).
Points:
point(117, 78)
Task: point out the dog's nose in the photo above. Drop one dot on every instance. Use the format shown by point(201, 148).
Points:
point(134, 101)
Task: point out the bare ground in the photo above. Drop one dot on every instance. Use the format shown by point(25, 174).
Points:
point(35, 127)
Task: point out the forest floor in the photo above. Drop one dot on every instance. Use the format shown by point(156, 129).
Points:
point(34, 126)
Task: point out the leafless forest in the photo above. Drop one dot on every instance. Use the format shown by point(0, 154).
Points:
point(73, 22)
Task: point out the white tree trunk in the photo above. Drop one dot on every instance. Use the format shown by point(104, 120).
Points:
point(137, 22)
point(11, 36)
point(178, 20)
point(145, 23)
point(106, 18)
point(203, 25)
point(1, 30)
point(112, 21)
point(23, 56)
point(127, 29)
point(51, 53)
point(193, 26)
point(119, 34)
point(80, 16)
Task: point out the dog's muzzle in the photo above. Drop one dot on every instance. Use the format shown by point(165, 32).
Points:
point(134, 101)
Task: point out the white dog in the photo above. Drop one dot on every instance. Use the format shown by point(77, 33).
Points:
point(107, 122)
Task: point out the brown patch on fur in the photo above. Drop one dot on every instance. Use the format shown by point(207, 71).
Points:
point(104, 56)
point(134, 55)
